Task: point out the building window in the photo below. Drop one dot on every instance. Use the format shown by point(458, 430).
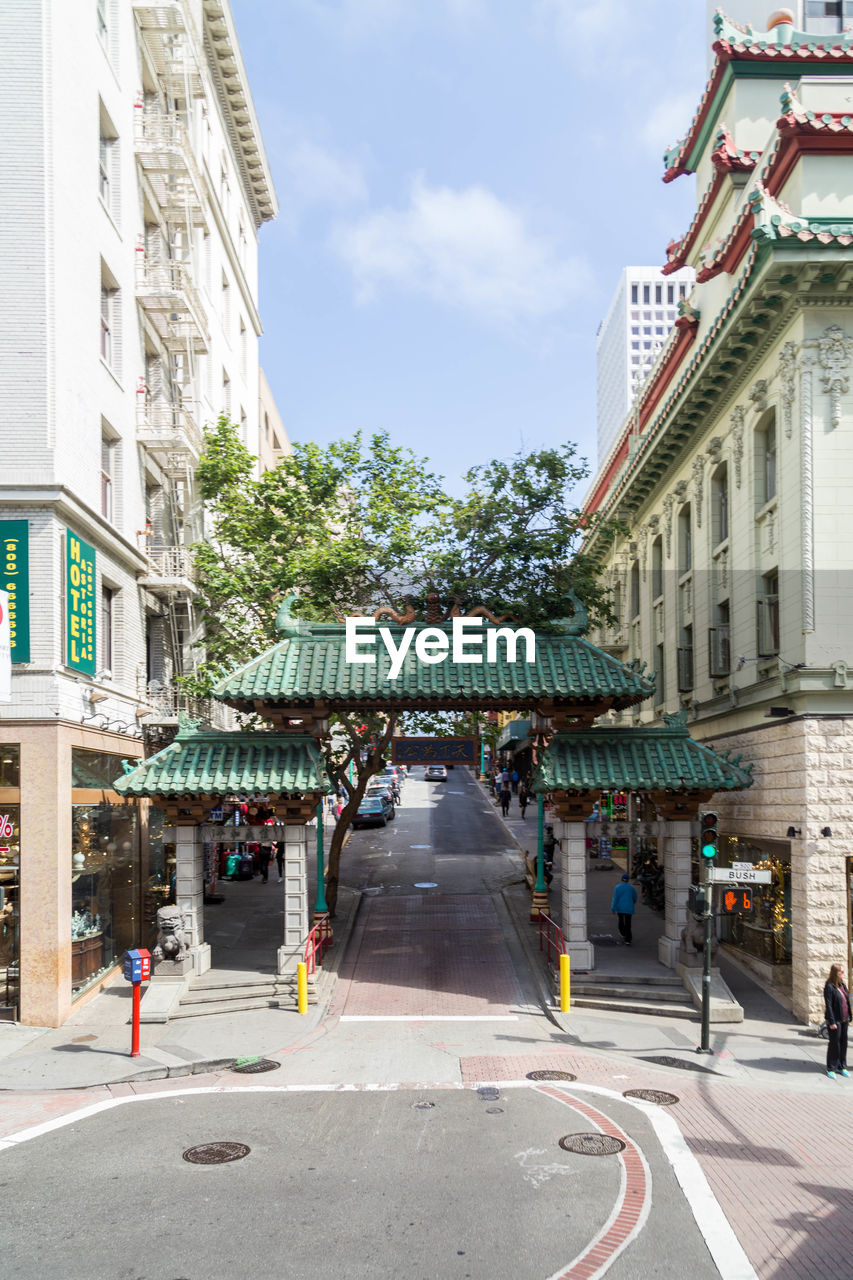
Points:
point(765, 458)
point(657, 568)
point(104, 168)
point(635, 293)
point(720, 505)
point(244, 346)
point(826, 17)
point(685, 661)
point(107, 602)
point(635, 590)
point(647, 294)
point(768, 616)
point(670, 294)
point(685, 540)
point(719, 643)
point(658, 294)
point(101, 19)
point(108, 323)
point(660, 675)
point(107, 479)
point(226, 392)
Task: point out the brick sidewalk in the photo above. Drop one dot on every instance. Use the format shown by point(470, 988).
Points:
point(778, 1163)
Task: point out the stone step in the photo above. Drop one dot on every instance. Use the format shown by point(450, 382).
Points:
point(631, 991)
point(632, 979)
point(660, 1010)
point(285, 1001)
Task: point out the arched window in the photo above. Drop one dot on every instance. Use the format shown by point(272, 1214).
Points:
point(720, 504)
point(685, 540)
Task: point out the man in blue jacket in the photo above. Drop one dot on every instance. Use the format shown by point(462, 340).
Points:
point(624, 901)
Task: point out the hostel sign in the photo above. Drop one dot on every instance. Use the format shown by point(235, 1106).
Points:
point(79, 604)
point(15, 579)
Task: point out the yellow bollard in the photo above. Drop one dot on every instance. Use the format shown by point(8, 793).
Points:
point(302, 987)
point(565, 983)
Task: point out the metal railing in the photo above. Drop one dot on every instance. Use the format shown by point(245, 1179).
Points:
point(551, 937)
point(167, 699)
point(174, 564)
point(316, 943)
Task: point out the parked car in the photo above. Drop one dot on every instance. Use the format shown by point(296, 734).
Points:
point(392, 773)
point(386, 792)
point(435, 773)
point(374, 811)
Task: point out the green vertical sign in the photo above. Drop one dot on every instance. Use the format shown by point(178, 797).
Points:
point(15, 578)
point(79, 604)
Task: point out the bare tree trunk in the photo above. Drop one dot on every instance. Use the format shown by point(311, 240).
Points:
point(365, 770)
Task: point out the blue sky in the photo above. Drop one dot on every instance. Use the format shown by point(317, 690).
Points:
point(460, 182)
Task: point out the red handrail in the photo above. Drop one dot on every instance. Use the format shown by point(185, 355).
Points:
point(552, 934)
point(316, 942)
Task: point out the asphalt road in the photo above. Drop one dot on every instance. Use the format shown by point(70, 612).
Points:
point(372, 1151)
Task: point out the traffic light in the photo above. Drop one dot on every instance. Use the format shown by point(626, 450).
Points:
point(709, 836)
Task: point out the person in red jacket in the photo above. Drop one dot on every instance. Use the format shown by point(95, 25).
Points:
point(837, 1001)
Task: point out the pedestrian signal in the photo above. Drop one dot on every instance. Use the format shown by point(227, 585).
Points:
point(696, 900)
point(709, 835)
point(737, 901)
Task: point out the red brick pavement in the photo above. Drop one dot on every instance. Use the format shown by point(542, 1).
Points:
point(428, 955)
point(780, 1164)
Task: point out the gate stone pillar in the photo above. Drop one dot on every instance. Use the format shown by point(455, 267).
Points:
point(189, 891)
point(573, 919)
point(677, 852)
point(295, 868)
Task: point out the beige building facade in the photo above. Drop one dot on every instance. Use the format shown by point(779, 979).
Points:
point(734, 475)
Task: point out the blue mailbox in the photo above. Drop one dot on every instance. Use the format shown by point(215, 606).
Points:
point(137, 965)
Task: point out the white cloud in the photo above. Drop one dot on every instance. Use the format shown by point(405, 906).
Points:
point(356, 18)
point(667, 121)
point(465, 249)
point(309, 176)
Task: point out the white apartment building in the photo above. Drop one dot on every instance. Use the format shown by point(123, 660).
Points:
point(134, 183)
point(640, 316)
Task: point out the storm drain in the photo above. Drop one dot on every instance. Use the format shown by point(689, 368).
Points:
point(550, 1075)
point(494, 1111)
point(252, 1066)
point(652, 1095)
point(592, 1144)
point(489, 1094)
point(216, 1152)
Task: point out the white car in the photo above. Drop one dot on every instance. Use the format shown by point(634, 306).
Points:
point(435, 773)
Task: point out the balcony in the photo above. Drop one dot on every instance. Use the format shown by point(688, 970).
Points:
point(167, 295)
point(165, 154)
point(171, 39)
point(169, 573)
point(163, 700)
point(169, 433)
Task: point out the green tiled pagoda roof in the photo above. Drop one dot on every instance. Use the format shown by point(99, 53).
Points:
point(637, 760)
point(218, 764)
point(309, 665)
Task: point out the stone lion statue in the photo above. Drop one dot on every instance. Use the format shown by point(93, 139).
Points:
point(693, 937)
point(173, 935)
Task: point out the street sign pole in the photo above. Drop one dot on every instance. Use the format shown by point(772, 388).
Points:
point(705, 1046)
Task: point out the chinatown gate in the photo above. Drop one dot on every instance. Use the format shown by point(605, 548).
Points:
point(296, 687)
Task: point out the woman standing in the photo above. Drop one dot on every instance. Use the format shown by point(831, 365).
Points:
point(837, 1000)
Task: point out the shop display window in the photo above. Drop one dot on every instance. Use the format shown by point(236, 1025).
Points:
point(764, 932)
point(10, 864)
point(106, 915)
point(94, 770)
point(161, 869)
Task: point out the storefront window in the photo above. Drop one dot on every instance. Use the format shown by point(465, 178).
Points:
point(10, 765)
point(94, 770)
point(10, 864)
point(106, 917)
point(765, 931)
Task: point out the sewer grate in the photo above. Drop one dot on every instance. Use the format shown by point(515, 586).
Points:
point(550, 1075)
point(494, 1111)
point(423, 1106)
point(251, 1066)
point(592, 1144)
point(488, 1093)
point(216, 1152)
point(652, 1095)
point(664, 1061)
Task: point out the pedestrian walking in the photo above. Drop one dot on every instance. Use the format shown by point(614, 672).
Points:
point(523, 797)
point(264, 856)
point(836, 998)
point(506, 797)
point(279, 859)
point(514, 781)
point(550, 844)
point(623, 903)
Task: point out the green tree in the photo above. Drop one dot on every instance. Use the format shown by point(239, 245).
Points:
point(362, 523)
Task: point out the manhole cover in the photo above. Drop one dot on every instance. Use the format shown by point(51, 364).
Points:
point(652, 1095)
point(216, 1152)
point(494, 1111)
point(423, 1106)
point(489, 1094)
point(664, 1061)
point(425, 884)
point(592, 1144)
point(251, 1066)
point(550, 1075)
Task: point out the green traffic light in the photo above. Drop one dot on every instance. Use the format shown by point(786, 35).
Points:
point(709, 851)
